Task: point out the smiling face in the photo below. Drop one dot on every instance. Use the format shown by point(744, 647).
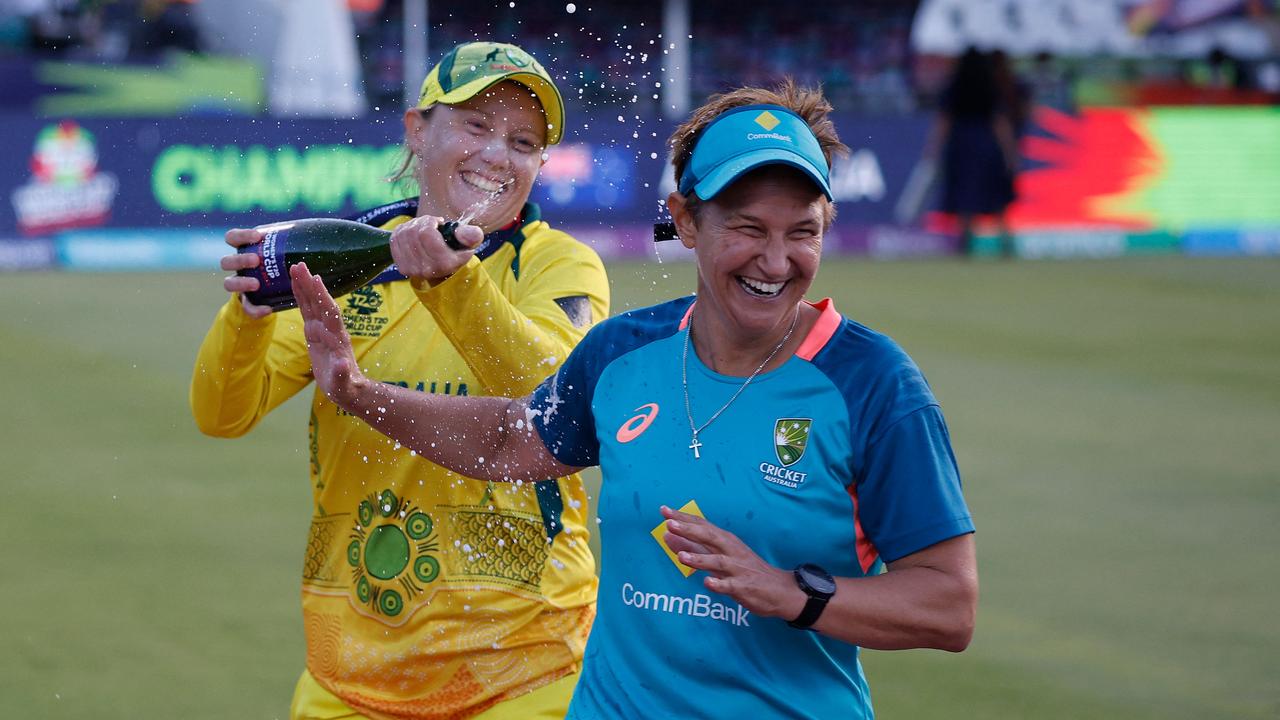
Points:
point(482, 154)
point(758, 245)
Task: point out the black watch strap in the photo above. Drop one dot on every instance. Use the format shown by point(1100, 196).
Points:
point(812, 611)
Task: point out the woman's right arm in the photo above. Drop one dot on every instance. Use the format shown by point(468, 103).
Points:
point(489, 438)
point(250, 361)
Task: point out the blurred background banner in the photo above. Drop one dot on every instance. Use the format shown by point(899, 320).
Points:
point(1117, 180)
point(151, 127)
point(1114, 411)
point(66, 177)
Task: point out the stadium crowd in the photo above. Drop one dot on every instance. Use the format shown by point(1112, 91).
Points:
point(614, 55)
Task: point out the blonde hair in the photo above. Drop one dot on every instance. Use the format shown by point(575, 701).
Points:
point(809, 103)
point(408, 162)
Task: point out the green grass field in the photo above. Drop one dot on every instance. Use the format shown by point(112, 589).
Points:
point(1117, 425)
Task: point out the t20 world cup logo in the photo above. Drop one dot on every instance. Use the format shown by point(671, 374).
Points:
point(66, 190)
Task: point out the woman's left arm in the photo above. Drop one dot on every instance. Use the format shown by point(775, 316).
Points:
point(927, 599)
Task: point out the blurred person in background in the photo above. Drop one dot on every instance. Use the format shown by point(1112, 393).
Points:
point(52, 26)
point(1014, 94)
point(763, 457)
point(426, 594)
point(1051, 84)
point(166, 25)
point(975, 133)
point(106, 30)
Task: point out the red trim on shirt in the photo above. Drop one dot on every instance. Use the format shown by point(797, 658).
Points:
point(821, 331)
point(819, 334)
point(867, 553)
point(684, 321)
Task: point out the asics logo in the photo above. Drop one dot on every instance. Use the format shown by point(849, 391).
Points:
point(634, 427)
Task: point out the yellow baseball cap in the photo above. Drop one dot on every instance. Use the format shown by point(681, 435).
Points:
point(471, 68)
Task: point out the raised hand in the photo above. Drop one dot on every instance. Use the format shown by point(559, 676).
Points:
point(332, 362)
point(735, 569)
point(420, 251)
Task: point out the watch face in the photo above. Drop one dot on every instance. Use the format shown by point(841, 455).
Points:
point(818, 579)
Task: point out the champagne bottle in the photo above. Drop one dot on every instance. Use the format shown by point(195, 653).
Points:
point(346, 254)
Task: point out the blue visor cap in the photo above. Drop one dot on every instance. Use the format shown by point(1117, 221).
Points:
point(749, 137)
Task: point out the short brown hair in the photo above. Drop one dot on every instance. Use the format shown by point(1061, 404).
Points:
point(809, 103)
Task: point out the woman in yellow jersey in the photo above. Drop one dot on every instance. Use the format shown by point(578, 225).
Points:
point(426, 594)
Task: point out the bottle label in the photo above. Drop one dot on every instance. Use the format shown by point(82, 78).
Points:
point(274, 279)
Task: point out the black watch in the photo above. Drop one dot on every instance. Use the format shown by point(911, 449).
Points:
point(819, 586)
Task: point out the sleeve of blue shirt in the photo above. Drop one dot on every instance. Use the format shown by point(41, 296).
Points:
point(561, 405)
point(909, 494)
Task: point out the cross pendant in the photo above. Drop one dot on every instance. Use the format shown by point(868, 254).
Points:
point(694, 447)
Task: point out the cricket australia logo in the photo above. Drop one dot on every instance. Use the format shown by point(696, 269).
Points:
point(790, 438)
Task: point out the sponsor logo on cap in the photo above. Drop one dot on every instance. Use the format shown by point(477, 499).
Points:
point(768, 136)
point(767, 120)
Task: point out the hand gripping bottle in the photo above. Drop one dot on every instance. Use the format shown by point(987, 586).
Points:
point(346, 254)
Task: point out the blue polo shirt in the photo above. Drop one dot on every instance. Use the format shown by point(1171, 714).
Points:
point(839, 457)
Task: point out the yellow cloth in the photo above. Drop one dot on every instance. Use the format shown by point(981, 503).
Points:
point(426, 594)
point(549, 702)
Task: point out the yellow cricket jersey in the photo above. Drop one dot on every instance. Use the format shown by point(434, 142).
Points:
point(426, 594)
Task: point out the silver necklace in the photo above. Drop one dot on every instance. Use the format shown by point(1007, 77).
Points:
point(684, 381)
